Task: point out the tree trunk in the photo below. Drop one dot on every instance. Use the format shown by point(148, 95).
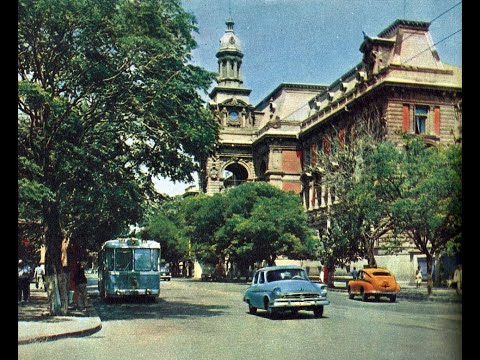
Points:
point(329, 274)
point(437, 279)
point(54, 273)
point(429, 273)
point(371, 254)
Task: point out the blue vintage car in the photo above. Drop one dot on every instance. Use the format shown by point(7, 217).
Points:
point(282, 288)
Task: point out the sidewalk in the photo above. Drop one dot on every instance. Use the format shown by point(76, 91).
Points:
point(410, 292)
point(35, 323)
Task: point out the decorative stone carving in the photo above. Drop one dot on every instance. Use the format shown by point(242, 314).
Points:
point(214, 173)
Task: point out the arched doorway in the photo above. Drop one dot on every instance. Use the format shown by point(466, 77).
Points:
point(235, 174)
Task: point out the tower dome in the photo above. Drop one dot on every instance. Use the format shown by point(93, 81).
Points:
point(230, 58)
point(229, 41)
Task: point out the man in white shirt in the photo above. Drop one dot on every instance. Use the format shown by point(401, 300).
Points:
point(39, 276)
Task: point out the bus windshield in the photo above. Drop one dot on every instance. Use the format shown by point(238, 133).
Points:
point(142, 259)
point(123, 259)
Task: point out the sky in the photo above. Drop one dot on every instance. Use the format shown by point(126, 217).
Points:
point(309, 41)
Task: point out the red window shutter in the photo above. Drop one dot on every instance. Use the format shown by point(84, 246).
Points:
point(326, 145)
point(436, 121)
point(314, 154)
point(341, 137)
point(300, 156)
point(406, 117)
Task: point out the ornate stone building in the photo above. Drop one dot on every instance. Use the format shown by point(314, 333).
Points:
point(400, 80)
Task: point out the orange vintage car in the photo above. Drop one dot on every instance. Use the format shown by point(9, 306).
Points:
point(374, 282)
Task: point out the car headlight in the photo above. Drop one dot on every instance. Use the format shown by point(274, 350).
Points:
point(277, 291)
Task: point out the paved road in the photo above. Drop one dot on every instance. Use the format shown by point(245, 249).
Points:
point(195, 320)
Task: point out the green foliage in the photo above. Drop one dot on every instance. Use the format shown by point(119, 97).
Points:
point(391, 193)
point(357, 220)
point(107, 100)
point(166, 225)
point(259, 222)
point(428, 203)
point(248, 223)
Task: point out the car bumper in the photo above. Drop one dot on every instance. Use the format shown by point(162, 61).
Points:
point(382, 293)
point(299, 303)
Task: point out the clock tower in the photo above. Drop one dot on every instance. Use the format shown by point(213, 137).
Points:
point(229, 101)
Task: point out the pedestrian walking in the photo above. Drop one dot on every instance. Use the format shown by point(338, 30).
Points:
point(80, 286)
point(24, 274)
point(457, 278)
point(40, 277)
point(418, 277)
point(355, 273)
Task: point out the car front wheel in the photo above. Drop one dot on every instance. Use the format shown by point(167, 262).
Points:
point(270, 311)
point(393, 298)
point(252, 309)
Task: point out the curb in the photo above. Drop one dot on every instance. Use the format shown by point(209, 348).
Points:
point(45, 338)
point(85, 331)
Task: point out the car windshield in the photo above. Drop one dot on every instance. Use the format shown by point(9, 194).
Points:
point(286, 274)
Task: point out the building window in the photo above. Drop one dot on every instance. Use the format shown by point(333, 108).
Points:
point(308, 157)
point(421, 116)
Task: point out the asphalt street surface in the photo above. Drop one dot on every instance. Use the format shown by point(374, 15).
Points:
point(197, 320)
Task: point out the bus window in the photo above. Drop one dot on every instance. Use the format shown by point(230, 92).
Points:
point(109, 259)
point(123, 259)
point(156, 255)
point(142, 260)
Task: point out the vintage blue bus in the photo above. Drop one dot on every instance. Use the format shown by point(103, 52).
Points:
point(129, 267)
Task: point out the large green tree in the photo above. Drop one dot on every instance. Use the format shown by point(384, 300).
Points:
point(424, 189)
point(166, 224)
point(107, 99)
point(356, 220)
point(251, 223)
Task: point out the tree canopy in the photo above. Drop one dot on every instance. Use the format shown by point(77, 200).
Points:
point(107, 99)
point(403, 194)
point(249, 223)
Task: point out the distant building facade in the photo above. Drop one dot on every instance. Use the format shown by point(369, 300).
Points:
point(401, 80)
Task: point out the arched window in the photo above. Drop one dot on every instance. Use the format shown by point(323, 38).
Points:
point(235, 174)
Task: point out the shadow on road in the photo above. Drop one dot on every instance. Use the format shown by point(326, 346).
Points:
point(288, 315)
point(130, 309)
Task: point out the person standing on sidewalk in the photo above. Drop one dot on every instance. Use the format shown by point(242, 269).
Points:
point(80, 286)
point(24, 273)
point(418, 277)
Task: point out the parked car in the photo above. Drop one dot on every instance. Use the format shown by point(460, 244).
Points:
point(210, 273)
point(374, 282)
point(165, 273)
point(283, 288)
